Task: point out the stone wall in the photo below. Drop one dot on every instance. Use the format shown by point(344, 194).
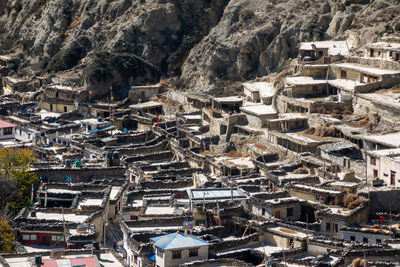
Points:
point(234, 243)
point(381, 64)
point(179, 183)
point(217, 262)
point(84, 174)
point(364, 106)
point(387, 200)
point(178, 220)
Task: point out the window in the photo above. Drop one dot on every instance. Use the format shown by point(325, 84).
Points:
point(378, 241)
point(193, 252)
point(328, 227)
point(291, 242)
point(65, 109)
point(392, 178)
point(160, 253)
point(335, 227)
point(277, 214)
point(373, 161)
point(375, 173)
point(56, 237)
point(33, 237)
point(7, 131)
point(176, 254)
point(352, 238)
point(365, 240)
point(57, 94)
point(263, 211)
point(343, 74)
point(25, 237)
point(289, 212)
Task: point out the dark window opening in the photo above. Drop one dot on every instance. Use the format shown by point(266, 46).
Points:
point(160, 253)
point(335, 227)
point(392, 178)
point(289, 212)
point(176, 254)
point(328, 227)
point(343, 74)
point(7, 131)
point(194, 252)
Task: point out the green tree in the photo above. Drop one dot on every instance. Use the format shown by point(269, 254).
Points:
point(6, 237)
point(14, 171)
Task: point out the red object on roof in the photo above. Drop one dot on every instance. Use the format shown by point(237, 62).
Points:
point(6, 124)
point(81, 261)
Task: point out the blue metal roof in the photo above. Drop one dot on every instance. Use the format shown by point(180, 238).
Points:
point(151, 256)
point(106, 128)
point(178, 240)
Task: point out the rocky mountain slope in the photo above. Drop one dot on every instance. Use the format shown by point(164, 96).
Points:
point(207, 43)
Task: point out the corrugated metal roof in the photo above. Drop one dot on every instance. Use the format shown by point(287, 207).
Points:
point(81, 261)
point(5, 124)
point(178, 240)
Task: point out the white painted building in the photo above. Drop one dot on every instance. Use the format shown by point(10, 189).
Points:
point(367, 235)
point(384, 165)
point(7, 130)
point(178, 248)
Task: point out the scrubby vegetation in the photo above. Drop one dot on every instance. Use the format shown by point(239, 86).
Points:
point(6, 237)
point(352, 201)
point(15, 179)
point(107, 66)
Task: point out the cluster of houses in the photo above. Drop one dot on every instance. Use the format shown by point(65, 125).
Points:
point(301, 169)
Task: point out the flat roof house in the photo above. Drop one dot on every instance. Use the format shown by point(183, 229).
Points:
point(384, 51)
point(215, 194)
point(327, 51)
point(384, 166)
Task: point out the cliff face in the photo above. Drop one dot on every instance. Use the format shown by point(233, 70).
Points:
point(207, 43)
point(254, 37)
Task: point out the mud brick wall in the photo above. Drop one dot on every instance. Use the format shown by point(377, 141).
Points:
point(83, 174)
point(234, 243)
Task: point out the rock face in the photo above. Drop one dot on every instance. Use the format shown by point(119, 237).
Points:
point(206, 43)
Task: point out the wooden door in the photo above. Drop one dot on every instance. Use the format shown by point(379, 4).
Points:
point(277, 214)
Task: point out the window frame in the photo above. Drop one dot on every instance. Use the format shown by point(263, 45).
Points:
point(160, 253)
point(291, 209)
point(193, 252)
point(328, 229)
point(176, 254)
point(7, 131)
